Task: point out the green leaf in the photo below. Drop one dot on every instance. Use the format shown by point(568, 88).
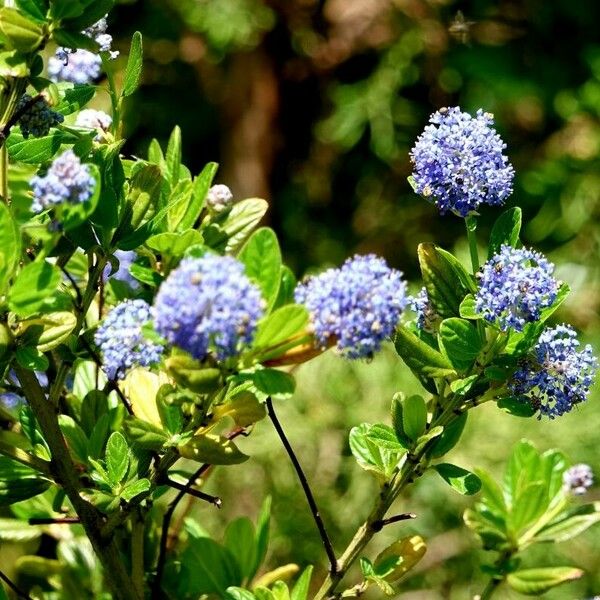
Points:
point(31, 358)
point(117, 457)
point(287, 287)
point(213, 450)
point(174, 244)
point(134, 489)
point(34, 151)
point(272, 382)
point(533, 582)
point(262, 535)
point(200, 189)
point(240, 541)
point(34, 8)
point(75, 98)
point(302, 586)
point(173, 156)
point(528, 506)
point(262, 258)
point(21, 33)
point(421, 359)
point(399, 558)
point(75, 436)
point(236, 593)
point(570, 524)
point(461, 387)
point(467, 308)
point(398, 419)
point(133, 70)
point(34, 286)
point(281, 325)
point(10, 246)
point(18, 482)
point(74, 39)
point(213, 569)
point(518, 406)
point(523, 467)
point(460, 341)
point(371, 448)
point(49, 330)
point(241, 221)
point(463, 481)
point(13, 64)
point(145, 434)
point(445, 279)
point(414, 416)
point(505, 230)
point(94, 11)
point(449, 437)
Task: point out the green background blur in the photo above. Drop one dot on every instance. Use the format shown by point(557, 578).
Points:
point(314, 105)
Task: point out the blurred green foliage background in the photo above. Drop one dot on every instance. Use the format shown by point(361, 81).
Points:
point(314, 105)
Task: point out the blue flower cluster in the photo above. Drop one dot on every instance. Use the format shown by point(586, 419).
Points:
point(122, 274)
point(81, 66)
point(355, 307)
point(94, 119)
point(578, 479)
point(121, 341)
point(514, 286)
point(67, 181)
point(38, 118)
point(426, 315)
point(208, 304)
point(459, 162)
point(219, 198)
point(558, 375)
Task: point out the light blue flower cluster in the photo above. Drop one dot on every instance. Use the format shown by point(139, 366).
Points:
point(578, 479)
point(67, 181)
point(94, 119)
point(515, 285)
point(355, 307)
point(122, 274)
point(121, 342)
point(38, 118)
point(426, 315)
point(208, 305)
point(459, 162)
point(80, 67)
point(558, 375)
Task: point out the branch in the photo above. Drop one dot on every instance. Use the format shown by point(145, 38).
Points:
point(379, 525)
point(53, 521)
point(20, 593)
point(333, 566)
point(196, 493)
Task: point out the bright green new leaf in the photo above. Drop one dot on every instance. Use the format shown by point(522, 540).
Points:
point(463, 481)
point(371, 448)
point(272, 382)
point(133, 70)
point(10, 246)
point(570, 523)
point(534, 582)
point(145, 434)
point(261, 257)
point(173, 156)
point(302, 585)
point(34, 151)
point(21, 33)
point(117, 457)
point(240, 540)
point(200, 188)
point(414, 416)
point(467, 308)
point(134, 489)
point(34, 286)
point(241, 221)
point(505, 230)
point(281, 325)
point(74, 98)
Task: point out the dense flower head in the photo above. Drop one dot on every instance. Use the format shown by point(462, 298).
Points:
point(66, 181)
point(81, 66)
point(578, 479)
point(122, 274)
point(459, 162)
point(97, 32)
point(356, 306)
point(208, 305)
point(121, 342)
point(219, 198)
point(426, 315)
point(558, 375)
point(515, 285)
point(94, 119)
point(38, 118)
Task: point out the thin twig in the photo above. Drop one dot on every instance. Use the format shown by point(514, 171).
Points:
point(196, 493)
point(306, 487)
point(54, 521)
point(75, 286)
point(20, 593)
point(379, 525)
point(168, 516)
